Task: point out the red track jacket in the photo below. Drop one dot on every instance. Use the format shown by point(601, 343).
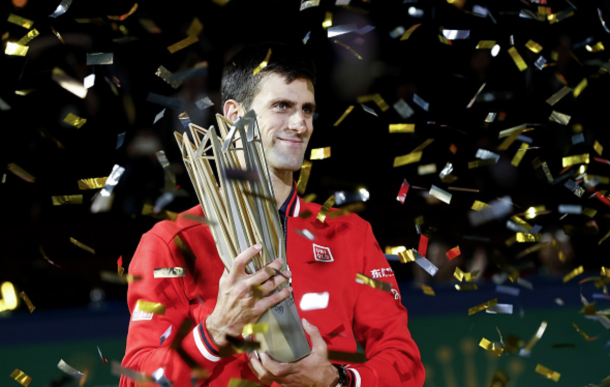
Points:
point(342, 247)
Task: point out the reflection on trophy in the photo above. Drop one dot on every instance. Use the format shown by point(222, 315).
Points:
point(241, 212)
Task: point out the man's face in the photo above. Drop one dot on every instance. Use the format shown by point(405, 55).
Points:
point(285, 117)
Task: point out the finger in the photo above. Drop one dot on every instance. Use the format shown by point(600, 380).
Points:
point(317, 342)
point(258, 369)
point(267, 272)
point(265, 303)
point(272, 283)
point(273, 367)
point(240, 262)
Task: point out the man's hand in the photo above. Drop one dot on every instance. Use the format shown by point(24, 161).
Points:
point(314, 369)
point(238, 303)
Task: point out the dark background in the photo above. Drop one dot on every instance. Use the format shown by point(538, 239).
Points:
point(445, 76)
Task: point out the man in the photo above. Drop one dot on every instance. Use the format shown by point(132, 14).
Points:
point(221, 303)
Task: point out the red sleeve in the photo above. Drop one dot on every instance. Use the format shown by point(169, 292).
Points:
point(144, 353)
point(381, 327)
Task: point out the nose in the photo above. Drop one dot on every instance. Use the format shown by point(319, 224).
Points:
point(298, 122)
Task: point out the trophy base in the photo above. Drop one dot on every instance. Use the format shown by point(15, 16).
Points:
point(285, 340)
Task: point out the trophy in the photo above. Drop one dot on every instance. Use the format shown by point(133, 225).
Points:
point(242, 211)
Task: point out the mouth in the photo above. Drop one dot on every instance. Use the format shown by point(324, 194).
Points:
point(291, 141)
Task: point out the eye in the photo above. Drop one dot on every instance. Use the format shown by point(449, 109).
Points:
point(308, 110)
point(281, 106)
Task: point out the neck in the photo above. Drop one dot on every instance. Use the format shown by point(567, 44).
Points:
point(282, 185)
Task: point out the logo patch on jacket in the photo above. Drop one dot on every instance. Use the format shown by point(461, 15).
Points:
point(322, 254)
point(140, 315)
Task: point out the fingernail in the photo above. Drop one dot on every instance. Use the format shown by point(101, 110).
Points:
point(258, 246)
point(306, 322)
point(281, 261)
point(287, 273)
point(290, 289)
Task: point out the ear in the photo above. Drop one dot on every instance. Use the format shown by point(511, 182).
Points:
point(232, 109)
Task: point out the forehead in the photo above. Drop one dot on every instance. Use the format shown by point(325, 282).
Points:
point(273, 86)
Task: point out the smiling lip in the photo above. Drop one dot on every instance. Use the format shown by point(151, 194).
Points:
point(292, 141)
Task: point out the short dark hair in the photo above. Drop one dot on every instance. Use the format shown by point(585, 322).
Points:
point(238, 81)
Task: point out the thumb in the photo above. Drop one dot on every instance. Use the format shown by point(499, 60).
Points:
point(317, 342)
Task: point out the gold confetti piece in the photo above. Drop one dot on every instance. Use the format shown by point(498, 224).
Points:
point(547, 373)
point(590, 212)
point(486, 44)
point(92, 183)
point(604, 238)
point(440, 194)
point(426, 169)
point(471, 276)
point(444, 40)
point(402, 128)
point(526, 237)
point(21, 378)
point(522, 222)
point(406, 256)
point(150, 307)
point(195, 28)
point(547, 172)
point(58, 35)
point(304, 177)
point(320, 153)
point(117, 278)
point(328, 20)
point(483, 306)
point(499, 379)
point(576, 272)
point(18, 171)
point(169, 272)
point(519, 154)
point(475, 96)
point(427, 290)
point(347, 111)
point(182, 44)
point(250, 329)
point(408, 32)
point(82, 245)
point(325, 208)
point(453, 253)
point(605, 271)
point(491, 347)
point(20, 21)
point(450, 188)
point(348, 48)
point(394, 250)
point(530, 213)
point(28, 37)
point(124, 16)
point(510, 139)
point(560, 118)
point(149, 210)
point(583, 334)
point(599, 46)
point(580, 87)
point(578, 159)
point(532, 249)
point(234, 382)
point(598, 147)
point(410, 158)
point(558, 95)
point(533, 46)
point(375, 284)
point(9, 299)
point(478, 205)
point(466, 287)
point(67, 199)
point(517, 58)
point(459, 274)
point(70, 84)
point(379, 101)
point(481, 163)
point(263, 64)
point(16, 49)
point(75, 120)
